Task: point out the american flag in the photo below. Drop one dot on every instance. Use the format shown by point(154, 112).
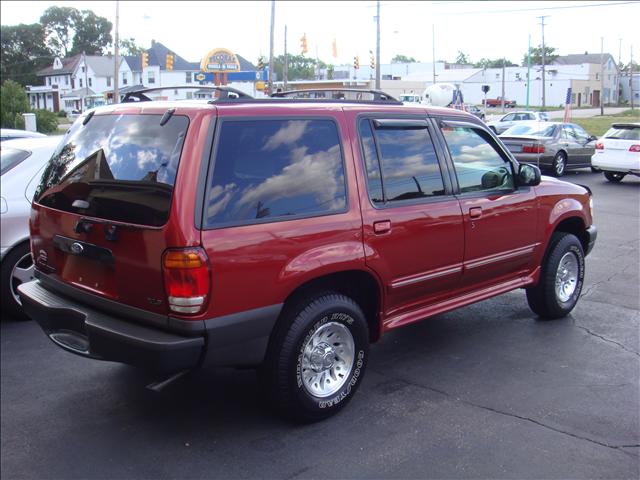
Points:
point(567, 106)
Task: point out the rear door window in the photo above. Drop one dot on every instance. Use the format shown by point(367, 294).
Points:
point(269, 170)
point(116, 167)
point(401, 162)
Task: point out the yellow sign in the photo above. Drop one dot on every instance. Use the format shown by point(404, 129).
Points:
point(259, 85)
point(220, 60)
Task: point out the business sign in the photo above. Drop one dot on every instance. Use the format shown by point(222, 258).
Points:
point(220, 60)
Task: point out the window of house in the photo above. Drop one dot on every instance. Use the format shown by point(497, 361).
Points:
point(124, 79)
point(48, 80)
point(497, 75)
point(597, 76)
point(80, 82)
point(66, 80)
point(91, 82)
point(407, 166)
point(189, 95)
point(83, 69)
point(478, 165)
point(187, 77)
point(275, 169)
point(151, 76)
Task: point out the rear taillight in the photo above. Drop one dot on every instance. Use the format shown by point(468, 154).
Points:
point(533, 148)
point(186, 279)
point(634, 148)
point(599, 146)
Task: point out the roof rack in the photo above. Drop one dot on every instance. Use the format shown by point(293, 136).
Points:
point(226, 93)
point(339, 94)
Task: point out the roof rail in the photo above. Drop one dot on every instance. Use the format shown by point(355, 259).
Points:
point(226, 93)
point(338, 94)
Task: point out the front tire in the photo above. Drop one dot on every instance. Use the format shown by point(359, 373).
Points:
point(615, 177)
point(561, 278)
point(317, 359)
point(559, 164)
point(17, 267)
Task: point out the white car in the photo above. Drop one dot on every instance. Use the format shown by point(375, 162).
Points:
point(11, 134)
point(511, 119)
point(618, 152)
point(21, 164)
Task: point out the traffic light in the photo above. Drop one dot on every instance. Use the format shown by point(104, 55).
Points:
point(145, 59)
point(303, 43)
point(373, 62)
point(260, 63)
point(334, 48)
point(170, 58)
point(356, 62)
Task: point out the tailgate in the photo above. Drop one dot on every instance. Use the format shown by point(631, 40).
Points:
point(100, 212)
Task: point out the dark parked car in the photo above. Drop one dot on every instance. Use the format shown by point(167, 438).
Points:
point(554, 146)
point(288, 235)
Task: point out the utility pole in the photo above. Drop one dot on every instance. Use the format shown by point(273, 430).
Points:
point(116, 93)
point(528, 71)
point(285, 69)
point(86, 84)
point(378, 45)
point(433, 56)
point(502, 99)
point(273, 21)
point(601, 76)
point(544, 55)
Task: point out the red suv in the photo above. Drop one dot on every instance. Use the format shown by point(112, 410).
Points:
point(288, 234)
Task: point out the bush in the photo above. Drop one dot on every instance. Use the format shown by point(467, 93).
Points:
point(61, 114)
point(46, 121)
point(13, 103)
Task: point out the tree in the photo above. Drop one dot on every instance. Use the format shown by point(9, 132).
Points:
point(24, 52)
point(70, 31)
point(497, 63)
point(536, 55)
point(13, 103)
point(59, 24)
point(46, 121)
point(403, 59)
point(462, 58)
point(300, 67)
point(128, 46)
point(92, 34)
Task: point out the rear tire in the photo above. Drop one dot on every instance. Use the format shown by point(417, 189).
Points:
point(17, 267)
point(559, 164)
point(561, 278)
point(615, 177)
point(317, 359)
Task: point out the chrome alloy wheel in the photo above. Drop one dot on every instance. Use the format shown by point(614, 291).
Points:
point(560, 164)
point(327, 359)
point(22, 272)
point(567, 276)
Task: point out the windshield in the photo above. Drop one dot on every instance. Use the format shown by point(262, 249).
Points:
point(624, 132)
point(10, 157)
point(535, 130)
point(117, 167)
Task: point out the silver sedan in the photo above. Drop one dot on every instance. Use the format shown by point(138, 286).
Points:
point(554, 146)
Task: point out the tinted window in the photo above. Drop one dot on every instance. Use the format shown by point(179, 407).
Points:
point(537, 130)
point(623, 132)
point(408, 163)
point(374, 180)
point(116, 167)
point(479, 167)
point(272, 169)
point(10, 157)
point(569, 133)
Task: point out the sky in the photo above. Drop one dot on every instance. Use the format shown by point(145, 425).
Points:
point(484, 29)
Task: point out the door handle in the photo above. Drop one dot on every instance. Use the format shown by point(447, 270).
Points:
point(475, 212)
point(382, 226)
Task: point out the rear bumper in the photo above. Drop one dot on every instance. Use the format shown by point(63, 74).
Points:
point(239, 339)
point(90, 333)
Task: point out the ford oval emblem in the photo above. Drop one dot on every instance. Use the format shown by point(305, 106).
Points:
point(77, 248)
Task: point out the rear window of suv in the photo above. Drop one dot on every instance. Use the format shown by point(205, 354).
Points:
point(624, 132)
point(270, 170)
point(116, 167)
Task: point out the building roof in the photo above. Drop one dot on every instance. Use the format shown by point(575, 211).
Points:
point(158, 56)
point(102, 66)
point(580, 58)
point(134, 62)
point(69, 66)
point(80, 92)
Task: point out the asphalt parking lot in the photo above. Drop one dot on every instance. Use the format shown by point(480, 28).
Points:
point(487, 391)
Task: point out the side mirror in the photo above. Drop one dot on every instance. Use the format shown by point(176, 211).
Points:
point(592, 138)
point(528, 175)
